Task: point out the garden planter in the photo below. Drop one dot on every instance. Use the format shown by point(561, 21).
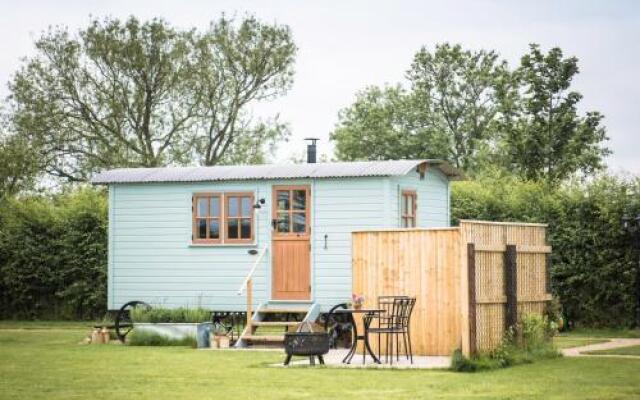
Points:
point(178, 331)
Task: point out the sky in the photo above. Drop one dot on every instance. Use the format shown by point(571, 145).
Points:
point(345, 46)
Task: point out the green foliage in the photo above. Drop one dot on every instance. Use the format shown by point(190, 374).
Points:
point(138, 338)
point(543, 137)
point(593, 262)
point(471, 108)
point(386, 124)
point(456, 91)
point(19, 165)
point(143, 93)
point(53, 256)
point(449, 112)
point(174, 315)
point(528, 341)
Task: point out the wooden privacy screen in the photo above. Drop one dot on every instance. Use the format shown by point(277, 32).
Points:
point(415, 262)
point(508, 263)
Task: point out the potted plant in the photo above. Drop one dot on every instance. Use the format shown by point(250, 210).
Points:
point(357, 300)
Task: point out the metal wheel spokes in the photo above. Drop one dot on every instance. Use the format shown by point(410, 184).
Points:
point(338, 326)
point(124, 323)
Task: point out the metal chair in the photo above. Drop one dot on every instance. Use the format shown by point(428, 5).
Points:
point(394, 323)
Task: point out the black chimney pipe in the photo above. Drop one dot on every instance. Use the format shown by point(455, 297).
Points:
point(311, 150)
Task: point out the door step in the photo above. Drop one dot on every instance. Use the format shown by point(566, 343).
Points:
point(275, 323)
point(283, 310)
point(264, 338)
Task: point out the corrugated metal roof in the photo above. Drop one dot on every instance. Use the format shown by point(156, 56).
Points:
point(269, 171)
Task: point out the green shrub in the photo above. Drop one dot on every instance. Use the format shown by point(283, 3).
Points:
point(528, 341)
point(175, 315)
point(53, 256)
point(138, 338)
point(593, 262)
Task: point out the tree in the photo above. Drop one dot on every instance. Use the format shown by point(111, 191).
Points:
point(457, 90)
point(19, 165)
point(449, 111)
point(384, 123)
point(543, 137)
point(129, 94)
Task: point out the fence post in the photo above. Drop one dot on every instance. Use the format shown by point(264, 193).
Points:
point(511, 283)
point(547, 273)
point(471, 264)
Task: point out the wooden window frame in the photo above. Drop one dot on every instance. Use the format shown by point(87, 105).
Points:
point(195, 218)
point(274, 213)
point(222, 219)
point(411, 215)
point(240, 195)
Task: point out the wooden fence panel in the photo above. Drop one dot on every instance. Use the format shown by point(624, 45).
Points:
point(418, 262)
point(497, 242)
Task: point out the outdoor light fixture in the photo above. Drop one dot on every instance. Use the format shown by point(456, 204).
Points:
point(259, 203)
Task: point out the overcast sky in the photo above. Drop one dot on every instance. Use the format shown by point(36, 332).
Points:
point(347, 45)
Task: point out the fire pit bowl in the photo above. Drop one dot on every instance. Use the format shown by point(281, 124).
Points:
point(309, 344)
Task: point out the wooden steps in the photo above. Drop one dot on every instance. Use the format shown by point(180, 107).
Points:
point(269, 324)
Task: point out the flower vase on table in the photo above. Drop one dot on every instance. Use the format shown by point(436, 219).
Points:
point(357, 301)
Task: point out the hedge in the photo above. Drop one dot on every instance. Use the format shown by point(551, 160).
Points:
point(53, 256)
point(593, 263)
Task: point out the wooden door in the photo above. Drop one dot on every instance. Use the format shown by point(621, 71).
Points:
point(290, 244)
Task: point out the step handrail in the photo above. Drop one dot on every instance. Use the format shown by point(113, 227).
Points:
point(248, 283)
point(246, 280)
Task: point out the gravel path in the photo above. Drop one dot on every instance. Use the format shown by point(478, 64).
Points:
point(611, 344)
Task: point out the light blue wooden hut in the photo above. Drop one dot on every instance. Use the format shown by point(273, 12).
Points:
point(195, 236)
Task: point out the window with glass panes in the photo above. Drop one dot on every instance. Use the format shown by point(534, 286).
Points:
point(239, 217)
point(222, 218)
point(408, 209)
point(291, 211)
point(207, 216)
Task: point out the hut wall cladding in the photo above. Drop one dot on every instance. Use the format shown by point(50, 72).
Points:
point(418, 262)
point(433, 266)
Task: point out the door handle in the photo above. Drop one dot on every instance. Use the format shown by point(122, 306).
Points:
point(274, 223)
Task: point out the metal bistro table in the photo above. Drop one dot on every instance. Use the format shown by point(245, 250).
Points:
point(367, 317)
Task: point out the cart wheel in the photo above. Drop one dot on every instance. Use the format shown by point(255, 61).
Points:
point(124, 323)
point(337, 325)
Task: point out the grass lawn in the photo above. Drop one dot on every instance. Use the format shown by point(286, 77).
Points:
point(621, 351)
point(46, 362)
